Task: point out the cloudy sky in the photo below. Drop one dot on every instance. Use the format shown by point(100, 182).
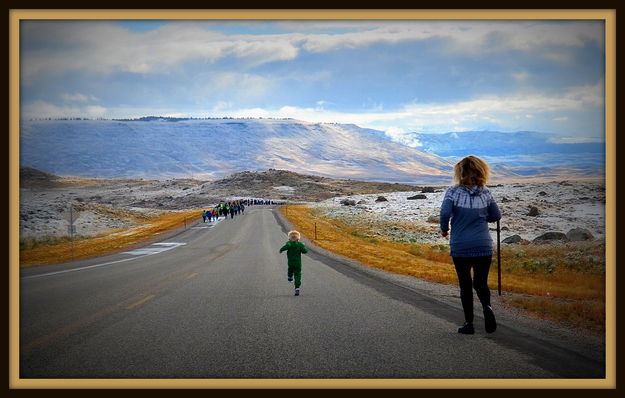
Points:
point(397, 76)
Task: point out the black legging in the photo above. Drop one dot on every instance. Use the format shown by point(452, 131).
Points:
point(481, 266)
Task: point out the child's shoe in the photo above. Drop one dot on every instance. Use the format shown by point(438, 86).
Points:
point(489, 320)
point(297, 291)
point(290, 279)
point(467, 328)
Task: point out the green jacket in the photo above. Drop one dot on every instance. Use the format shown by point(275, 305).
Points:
point(294, 250)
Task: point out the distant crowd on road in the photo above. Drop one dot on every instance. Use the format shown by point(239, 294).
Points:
point(232, 208)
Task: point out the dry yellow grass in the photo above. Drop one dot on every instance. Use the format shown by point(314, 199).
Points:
point(66, 250)
point(543, 285)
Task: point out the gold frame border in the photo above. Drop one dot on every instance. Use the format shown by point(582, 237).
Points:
point(607, 15)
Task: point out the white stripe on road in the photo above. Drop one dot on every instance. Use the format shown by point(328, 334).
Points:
point(146, 252)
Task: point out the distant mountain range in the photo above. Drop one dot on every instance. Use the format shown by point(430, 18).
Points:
point(157, 147)
point(214, 148)
point(522, 149)
point(493, 143)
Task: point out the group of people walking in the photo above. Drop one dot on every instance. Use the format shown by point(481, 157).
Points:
point(224, 210)
point(232, 208)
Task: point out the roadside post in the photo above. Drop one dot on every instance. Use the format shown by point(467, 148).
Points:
point(71, 216)
point(498, 258)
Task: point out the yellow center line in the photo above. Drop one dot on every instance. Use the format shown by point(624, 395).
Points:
point(142, 301)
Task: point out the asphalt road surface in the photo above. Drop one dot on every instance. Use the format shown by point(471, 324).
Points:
point(214, 302)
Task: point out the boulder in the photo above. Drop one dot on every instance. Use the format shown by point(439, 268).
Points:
point(533, 211)
point(579, 234)
point(362, 202)
point(434, 219)
point(551, 236)
point(348, 202)
point(542, 193)
point(418, 196)
point(381, 199)
point(512, 239)
point(427, 190)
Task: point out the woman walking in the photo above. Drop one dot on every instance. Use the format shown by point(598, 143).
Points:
point(470, 207)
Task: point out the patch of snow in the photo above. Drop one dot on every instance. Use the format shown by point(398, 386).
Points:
point(564, 207)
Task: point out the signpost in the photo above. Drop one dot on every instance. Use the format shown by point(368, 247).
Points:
point(71, 216)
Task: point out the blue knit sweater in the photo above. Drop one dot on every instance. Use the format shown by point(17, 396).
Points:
point(470, 210)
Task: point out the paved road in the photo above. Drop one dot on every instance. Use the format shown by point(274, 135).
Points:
point(214, 302)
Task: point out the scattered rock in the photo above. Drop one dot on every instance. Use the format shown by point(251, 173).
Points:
point(418, 196)
point(542, 193)
point(512, 240)
point(505, 228)
point(579, 234)
point(362, 202)
point(551, 236)
point(505, 200)
point(427, 190)
point(434, 219)
point(348, 202)
point(533, 211)
point(381, 199)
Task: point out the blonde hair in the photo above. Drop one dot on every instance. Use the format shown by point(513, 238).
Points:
point(294, 235)
point(471, 171)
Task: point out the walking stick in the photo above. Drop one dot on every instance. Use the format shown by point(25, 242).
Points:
point(498, 259)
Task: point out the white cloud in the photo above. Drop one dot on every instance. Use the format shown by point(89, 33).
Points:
point(41, 109)
point(521, 76)
point(506, 112)
point(94, 47)
point(464, 36)
point(573, 99)
point(560, 119)
point(398, 134)
point(575, 140)
point(78, 97)
point(104, 47)
point(459, 130)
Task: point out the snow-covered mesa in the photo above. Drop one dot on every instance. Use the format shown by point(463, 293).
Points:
point(215, 148)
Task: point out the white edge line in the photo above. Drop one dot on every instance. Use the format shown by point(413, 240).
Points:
point(98, 265)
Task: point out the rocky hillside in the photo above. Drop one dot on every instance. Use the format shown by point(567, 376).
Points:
point(287, 185)
point(107, 204)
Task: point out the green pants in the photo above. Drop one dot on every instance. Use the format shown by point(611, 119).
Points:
point(295, 271)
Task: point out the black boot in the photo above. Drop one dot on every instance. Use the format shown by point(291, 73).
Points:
point(467, 328)
point(490, 323)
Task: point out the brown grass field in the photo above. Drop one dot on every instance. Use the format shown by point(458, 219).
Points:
point(564, 283)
